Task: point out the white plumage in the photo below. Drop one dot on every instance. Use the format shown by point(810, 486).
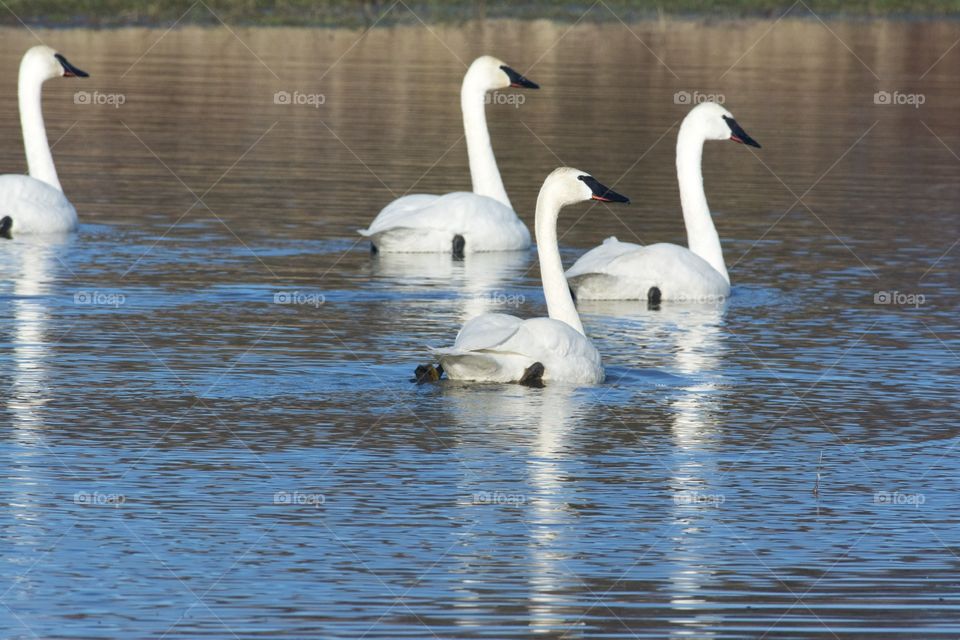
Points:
point(35, 203)
point(483, 219)
point(623, 270)
point(424, 223)
point(496, 347)
point(626, 271)
point(35, 206)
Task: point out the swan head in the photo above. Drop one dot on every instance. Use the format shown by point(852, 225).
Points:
point(571, 186)
point(490, 74)
point(714, 122)
point(45, 63)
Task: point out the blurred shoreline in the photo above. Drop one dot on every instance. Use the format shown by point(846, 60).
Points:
point(383, 13)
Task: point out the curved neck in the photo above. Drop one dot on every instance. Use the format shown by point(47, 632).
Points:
point(555, 288)
point(702, 237)
point(483, 166)
point(39, 158)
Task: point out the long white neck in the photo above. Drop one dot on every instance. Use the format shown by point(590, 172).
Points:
point(555, 288)
point(39, 158)
point(483, 166)
point(702, 237)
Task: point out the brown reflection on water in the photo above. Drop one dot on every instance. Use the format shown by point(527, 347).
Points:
point(201, 101)
point(200, 197)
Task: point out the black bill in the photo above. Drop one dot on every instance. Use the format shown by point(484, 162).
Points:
point(517, 80)
point(737, 134)
point(70, 71)
point(602, 193)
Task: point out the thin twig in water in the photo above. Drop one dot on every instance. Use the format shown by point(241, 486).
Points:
point(816, 486)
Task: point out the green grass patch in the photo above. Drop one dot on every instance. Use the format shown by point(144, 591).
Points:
point(360, 13)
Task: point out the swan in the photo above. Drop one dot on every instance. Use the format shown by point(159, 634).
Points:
point(496, 347)
point(625, 271)
point(460, 222)
point(35, 203)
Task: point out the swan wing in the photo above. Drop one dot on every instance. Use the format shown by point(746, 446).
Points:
point(662, 262)
point(677, 272)
point(35, 206)
point(499, 348)
point(599, 258)
point(458, 212)
point(552, 341)
point(487, 331)
point(399, 212)
point(429, 223)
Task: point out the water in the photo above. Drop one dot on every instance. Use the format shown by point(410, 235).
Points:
point(183, 456)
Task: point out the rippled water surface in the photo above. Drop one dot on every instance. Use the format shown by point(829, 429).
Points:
point(184, 455)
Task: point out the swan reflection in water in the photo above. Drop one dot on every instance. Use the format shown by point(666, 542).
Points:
point(29, 266)
point(483, 281)
point(687, 340)
point(531, 501)
point(32, 264)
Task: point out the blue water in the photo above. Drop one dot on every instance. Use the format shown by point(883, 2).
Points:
point(185, 454)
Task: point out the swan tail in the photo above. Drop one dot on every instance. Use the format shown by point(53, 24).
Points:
point(409, 240)
point(594, 286)
point(482, 366)
point(6, 224)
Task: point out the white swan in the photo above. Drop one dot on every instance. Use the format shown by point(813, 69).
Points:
point(496, 347)
point(625, 271)
point(460, 222)
point(35, 203)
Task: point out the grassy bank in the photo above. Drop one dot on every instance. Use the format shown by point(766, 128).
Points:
point(358, 13)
